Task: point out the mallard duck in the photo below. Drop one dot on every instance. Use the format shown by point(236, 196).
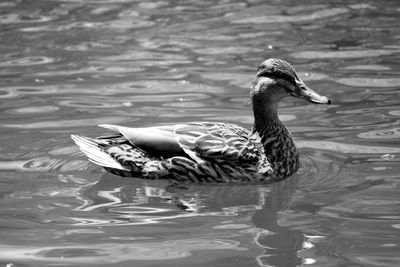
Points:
point(211, 151)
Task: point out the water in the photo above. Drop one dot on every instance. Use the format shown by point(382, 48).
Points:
point(68, 65)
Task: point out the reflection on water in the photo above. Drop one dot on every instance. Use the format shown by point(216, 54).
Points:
point(112, 203)
point(117, 252)
point(66, 66)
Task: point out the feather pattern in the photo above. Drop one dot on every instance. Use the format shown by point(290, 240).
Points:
point(211, 154)
point(204, 152)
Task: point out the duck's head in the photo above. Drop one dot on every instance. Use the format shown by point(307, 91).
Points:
point(277, 79)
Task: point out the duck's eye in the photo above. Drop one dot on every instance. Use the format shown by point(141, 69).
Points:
point(277, 75)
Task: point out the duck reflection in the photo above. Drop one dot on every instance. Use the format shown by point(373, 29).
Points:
point(281, 245)
point(137, 202)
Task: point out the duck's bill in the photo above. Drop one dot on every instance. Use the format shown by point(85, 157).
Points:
point(305, 92)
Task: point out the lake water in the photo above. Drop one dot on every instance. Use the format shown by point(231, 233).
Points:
point(68, 65)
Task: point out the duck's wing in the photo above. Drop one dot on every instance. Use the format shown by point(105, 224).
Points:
point(158, 141)
point(198, 140)
point(224, 141)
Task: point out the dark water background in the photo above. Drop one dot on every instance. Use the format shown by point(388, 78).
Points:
point(68, 65)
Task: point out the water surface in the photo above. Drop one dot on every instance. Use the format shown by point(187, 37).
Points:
point(68, 65)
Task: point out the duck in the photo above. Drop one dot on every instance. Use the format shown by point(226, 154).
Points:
point(211, 152)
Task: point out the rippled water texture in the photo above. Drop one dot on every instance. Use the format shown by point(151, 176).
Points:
point(68, 65)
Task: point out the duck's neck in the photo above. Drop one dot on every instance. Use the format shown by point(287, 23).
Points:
point(278, 143)
point(266, 116)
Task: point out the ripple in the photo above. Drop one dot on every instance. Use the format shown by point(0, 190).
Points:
point(91, 103)
point(147, 55)
point(232, 226)
point(166, 87)
point(136, 211)
point(116, 252)
point(102, 69)
point(261, 19)
point(28, 61)
point(13, 91)
point(185, 105)
point(227, 50)
point(313, 76)
point(37, 164)
point(128, 24)
point(66, 123)
point(393, 133)
point(369, 82)
point(46, 28)
point(121, 24)
point(101, 10)
point(319, 170)
point(7, 4)
point(95, 1)
point(170, 98)
point(238, 79)
point(395, 112)
point(26, 18)
point(30, 110)
point(342, 54)
point(366, 67)
point(378, 260)
point(366, 203)
point(45, 164)
point(347, 148)
point(4, 93)
point(74, 165)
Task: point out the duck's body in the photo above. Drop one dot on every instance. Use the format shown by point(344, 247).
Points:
point(211, 151)
point(193, 152)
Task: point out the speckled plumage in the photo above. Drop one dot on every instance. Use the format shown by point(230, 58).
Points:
point(211, 151)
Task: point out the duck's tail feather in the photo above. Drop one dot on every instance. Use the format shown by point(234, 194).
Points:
point(92, 149)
